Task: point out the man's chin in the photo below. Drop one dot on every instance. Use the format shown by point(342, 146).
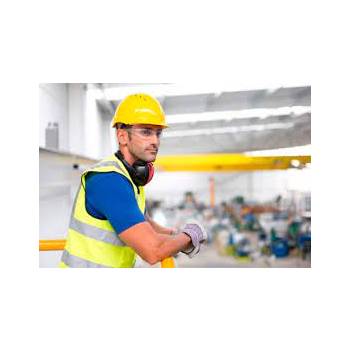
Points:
point(149, 158)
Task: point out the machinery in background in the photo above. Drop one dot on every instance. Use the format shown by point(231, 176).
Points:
point(245, 231)
point(281, 235)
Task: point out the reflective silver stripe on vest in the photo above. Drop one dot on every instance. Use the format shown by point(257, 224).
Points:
point(106, 163)
point(74, 261)
point(96, 233)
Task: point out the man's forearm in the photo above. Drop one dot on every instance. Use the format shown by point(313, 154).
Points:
point(158, 228)
point(171, 245)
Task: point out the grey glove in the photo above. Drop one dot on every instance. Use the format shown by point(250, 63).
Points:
point(197, 234)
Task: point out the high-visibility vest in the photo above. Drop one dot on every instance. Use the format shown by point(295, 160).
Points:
point(93, 242)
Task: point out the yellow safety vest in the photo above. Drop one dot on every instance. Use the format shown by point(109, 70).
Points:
point(93, 242)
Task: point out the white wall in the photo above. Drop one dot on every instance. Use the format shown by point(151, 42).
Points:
point(76, 113)
point(82, 128)
point(257, 186)
point(58, 186)
point(53, 107)
point(109, 144)
point(92, 129)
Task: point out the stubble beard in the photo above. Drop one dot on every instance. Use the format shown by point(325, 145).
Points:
point(142, 155)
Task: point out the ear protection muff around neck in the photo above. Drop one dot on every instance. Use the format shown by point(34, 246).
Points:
point(141, 172)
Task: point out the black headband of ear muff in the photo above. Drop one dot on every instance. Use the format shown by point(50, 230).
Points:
point(141, 172)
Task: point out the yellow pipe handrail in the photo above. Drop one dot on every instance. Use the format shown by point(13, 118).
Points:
point(51, 244)
point(58, 244)
point(168, 263)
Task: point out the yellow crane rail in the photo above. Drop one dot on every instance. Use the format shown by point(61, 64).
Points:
point(229, 162)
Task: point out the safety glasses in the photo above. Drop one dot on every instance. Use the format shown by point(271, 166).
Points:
point(145, 133)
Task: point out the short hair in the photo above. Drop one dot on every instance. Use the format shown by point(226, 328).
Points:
point(123, 126)
point(120, 126)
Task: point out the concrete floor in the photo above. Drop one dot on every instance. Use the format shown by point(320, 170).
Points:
point(209, 257)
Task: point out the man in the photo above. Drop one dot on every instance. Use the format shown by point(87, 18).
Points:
point(108, 225)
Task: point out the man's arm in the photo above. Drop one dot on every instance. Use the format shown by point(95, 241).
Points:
point(112, 196)
point(152, 246)
point(158, 228)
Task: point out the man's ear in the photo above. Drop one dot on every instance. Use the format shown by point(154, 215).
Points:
point(122, 136)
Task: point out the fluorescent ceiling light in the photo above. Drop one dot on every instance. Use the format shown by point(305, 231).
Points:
point(162, 90)
point(288, 151)
point(239, 114)
point(225, 130)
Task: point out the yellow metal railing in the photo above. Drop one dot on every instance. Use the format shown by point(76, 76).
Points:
point(51, 244)
point(58, 244)
point(168, 263)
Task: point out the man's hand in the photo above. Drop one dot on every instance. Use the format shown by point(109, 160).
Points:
point(197, 234)
point(152, 246)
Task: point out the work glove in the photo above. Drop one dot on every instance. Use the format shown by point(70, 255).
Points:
point(197, 234)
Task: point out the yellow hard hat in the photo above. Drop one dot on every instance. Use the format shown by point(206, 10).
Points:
point(139, 109)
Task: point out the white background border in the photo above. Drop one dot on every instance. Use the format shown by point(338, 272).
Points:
point(158, 41)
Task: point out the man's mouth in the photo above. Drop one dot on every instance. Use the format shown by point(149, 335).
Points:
point(152, 150)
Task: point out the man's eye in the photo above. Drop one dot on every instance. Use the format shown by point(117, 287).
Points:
point(146, 132)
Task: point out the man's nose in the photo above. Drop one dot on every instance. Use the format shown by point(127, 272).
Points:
point(155, 139)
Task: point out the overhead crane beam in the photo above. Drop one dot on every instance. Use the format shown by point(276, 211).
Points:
point(228, 162)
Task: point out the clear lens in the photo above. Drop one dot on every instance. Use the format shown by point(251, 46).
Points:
point(146, 133)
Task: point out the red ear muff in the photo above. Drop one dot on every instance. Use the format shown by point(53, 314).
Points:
point(150, 172)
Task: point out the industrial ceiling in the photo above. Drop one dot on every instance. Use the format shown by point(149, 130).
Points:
point(223, 121)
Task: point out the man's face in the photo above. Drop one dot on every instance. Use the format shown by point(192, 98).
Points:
point(143, 141)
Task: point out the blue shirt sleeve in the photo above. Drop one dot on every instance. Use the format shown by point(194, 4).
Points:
point(111, 196)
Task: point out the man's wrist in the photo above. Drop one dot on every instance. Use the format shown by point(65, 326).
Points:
point(189, 246)
point(173, 232)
